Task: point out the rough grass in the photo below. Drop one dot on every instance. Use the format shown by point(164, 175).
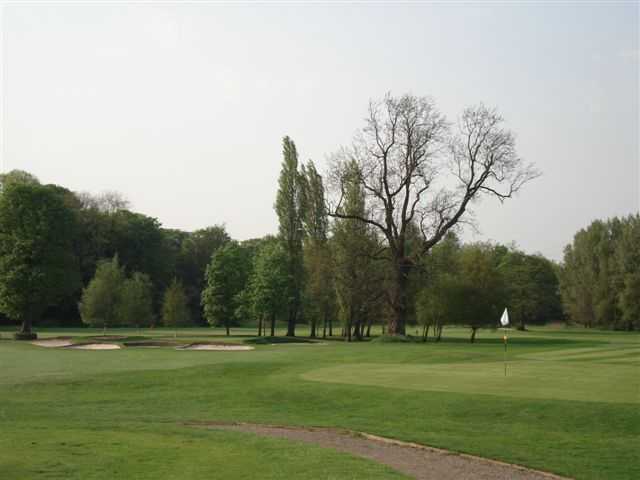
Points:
point(120, 414)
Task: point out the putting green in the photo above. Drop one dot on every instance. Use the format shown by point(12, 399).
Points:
point(525, 379)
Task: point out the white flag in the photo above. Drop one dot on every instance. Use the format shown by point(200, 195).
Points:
point(504, 320)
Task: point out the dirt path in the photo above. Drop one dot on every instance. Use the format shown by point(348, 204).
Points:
point(417, 461)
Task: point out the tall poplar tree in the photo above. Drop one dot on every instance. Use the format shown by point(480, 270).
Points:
point(319, 289)
point(288, 208)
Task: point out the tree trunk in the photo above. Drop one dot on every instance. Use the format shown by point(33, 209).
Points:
point(330, 326)
point(273, 325)
point(26, 325)
point(400, 296)
point(291, 322)
point(324, 326)
point(369, 329)
point(439, 335)
point(357, 331)
point(473, 334)
point(260, 326)
point(313, 327)
point(425, 332)
point(227, 328)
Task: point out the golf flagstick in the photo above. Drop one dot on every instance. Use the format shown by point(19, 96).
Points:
point(504, 321)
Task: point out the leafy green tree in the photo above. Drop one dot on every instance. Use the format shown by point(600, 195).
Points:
point(628, 261)
point(531, 286)
point(432, 300)
point(475, 295)
point(99, 304)
point(225, 278)
point(357, 280)
point(17, 177)
point(599, 275)
point(37, 263)
point(319, 288)
point(135, 301)
point(269, 284)
point(288, 207)
point(175, 311)
point(194, 256)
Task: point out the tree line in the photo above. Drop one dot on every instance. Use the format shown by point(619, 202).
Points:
point(373, 241)
point(600, 275)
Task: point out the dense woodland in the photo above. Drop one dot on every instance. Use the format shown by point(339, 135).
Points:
point(349, 255)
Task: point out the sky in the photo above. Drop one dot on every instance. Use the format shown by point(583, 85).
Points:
point(182, 107)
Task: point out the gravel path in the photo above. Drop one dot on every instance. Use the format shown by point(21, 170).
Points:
point(416, 461)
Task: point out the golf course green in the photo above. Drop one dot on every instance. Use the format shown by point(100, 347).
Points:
point(569, 404)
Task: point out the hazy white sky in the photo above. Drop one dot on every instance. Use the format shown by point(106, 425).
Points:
point(182, 107)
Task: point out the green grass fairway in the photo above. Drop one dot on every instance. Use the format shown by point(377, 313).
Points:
point(570, 404)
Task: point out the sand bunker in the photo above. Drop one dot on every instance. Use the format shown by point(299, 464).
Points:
point(53, 342)
point(96, 346)
point(210, 346)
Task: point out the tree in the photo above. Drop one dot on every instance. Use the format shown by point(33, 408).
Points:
point(531, 287)
point(357, 281)
point(225, 278)
point(319, 289)
point(599, 276)
point(269, 284)
point(17, 177)
point(475, 294)
point(135, 301)
point(194, 256)
point(37, 262)
point(99, 304)
point(288, 208)
point(433, 299)
point(403, 154)
point(175, 311)
point(628, 261)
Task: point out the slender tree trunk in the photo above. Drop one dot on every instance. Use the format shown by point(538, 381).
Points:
point(369, 328)
point(291, 323)
point(260, 326)
point(273, 325)
point(227, 328)
point(439, 335)
point(324, 326)
point(313, 327)
point(331, 326)
point(473, 334)
point(26, 325)
point(356, 330)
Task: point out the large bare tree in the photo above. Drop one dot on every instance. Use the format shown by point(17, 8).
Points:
point(419, 172)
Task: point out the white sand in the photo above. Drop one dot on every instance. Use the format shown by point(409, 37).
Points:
point(97, 346)
point(53, 342)
point(215, 347)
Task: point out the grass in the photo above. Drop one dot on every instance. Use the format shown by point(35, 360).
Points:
point(570, 404)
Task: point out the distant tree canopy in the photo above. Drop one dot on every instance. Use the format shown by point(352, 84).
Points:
point(37, 263)
point(600, 277)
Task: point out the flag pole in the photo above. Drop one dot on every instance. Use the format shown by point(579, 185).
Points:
point(505, 352)
point(504, 321)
